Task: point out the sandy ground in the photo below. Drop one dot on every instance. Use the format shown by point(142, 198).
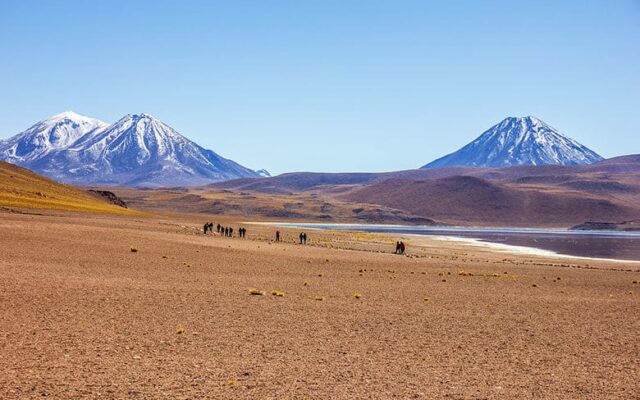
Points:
point(82, 316)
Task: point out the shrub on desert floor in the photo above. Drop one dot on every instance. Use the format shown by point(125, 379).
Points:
point(180, 330)
point(319, 298)
point(255, 292)
point(133, 249)
point(278, 293)
point(357, 295)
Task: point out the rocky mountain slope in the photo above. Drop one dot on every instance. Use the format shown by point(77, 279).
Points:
point(519, 141)
point(138, 150)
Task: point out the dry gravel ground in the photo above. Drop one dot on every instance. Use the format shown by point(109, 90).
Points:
point(82, 316)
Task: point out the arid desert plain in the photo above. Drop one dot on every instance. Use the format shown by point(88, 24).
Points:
point(146, 306)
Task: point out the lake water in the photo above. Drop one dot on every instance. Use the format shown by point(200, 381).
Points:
point(595, 244)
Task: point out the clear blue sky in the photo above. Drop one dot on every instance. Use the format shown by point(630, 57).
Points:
point(328, 85)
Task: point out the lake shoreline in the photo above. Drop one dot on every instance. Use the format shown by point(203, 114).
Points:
point(530, 241)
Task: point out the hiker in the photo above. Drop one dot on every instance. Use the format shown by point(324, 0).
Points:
point(301, 237)
point(205, 228)
point(230, 232)
point(218, 228)
point(277, 236)
point(401, 248)
point(243, 232)
point(226, 231)
point(304, 238)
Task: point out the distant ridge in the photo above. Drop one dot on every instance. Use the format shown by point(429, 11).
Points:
point(519, 141)
point(138, 150)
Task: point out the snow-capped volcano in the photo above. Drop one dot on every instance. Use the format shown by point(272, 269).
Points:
point(519, 141)
point(55, 133)
point(137, 150)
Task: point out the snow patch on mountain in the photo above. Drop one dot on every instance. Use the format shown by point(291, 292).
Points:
point(519, 141)
point(263, 173)
point(137, 150)
point(55, 133)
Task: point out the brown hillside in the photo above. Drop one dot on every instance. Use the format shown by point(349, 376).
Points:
point(526, 195)
point(472, 200)
point(21, 188)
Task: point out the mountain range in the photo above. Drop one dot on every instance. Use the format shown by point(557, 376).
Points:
point(519, 141)
point(138, 150)
point(141, 151)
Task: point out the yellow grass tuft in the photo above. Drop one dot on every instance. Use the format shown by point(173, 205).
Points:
point(357, 295)
point(232, 382)
point(180, 330)
point(256, 292)
point(133, 249)
point(319, 298)
point(278, 293)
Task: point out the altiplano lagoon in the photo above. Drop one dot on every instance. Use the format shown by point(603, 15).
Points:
point(614, 245)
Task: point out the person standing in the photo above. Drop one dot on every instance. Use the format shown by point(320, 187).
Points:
point(277, 236)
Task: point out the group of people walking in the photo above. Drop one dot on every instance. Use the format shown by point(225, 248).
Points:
point(400, 247)
point(223, 230)
point(242, 232)
point(302, 236)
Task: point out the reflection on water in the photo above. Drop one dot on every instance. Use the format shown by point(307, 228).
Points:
point(597, 244)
